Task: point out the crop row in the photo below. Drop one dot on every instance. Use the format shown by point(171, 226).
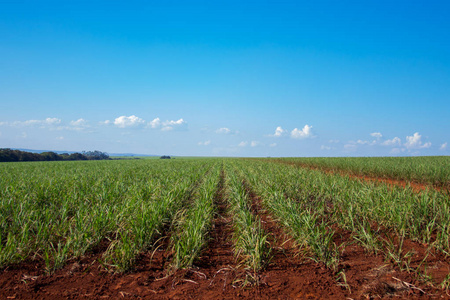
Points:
point(60, 210)
point(424, 216)
point(428, 170)
point(309, 204)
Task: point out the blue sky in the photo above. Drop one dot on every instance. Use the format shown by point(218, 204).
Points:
point(229, 78)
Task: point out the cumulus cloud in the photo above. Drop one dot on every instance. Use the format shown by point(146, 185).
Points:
point(155, 123)
point(279, 132)
point(394, 142)
point(333, 141)
point(52, 121)
point(131, 121)
point(134, 121)
point(205, 143)
point(255, 143)
point(323, 147)
point(305, 132)
point(79, 124)
point(443, 146)
point(296, 133)
point(223, 130)
point(273, 145)
point(415, 142)
point(226, 130)
point(377, 135)
point(243, 144)
point(378, 141)
point(174, 123)
point(412, 144)
point(170, 125)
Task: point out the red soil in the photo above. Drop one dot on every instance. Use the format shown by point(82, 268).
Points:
point(363, 275)
point(217, 274)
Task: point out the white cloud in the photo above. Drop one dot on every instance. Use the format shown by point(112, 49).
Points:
point(361, 142)
point(279, 132)
point(273, 145)
point(223, 130)
point(394, 142)
point(47, 121)
point(301, 134)
point(51, 121)
point(42, 123)
point(131, 121)
point(52, 124)
point(79, 122)
point(226, 130)
point(60, 138)
point(377, 135)
point(243, 144)
point(323, 147)
point(174, 123)
point(415, 142)
point(443, 146)
point(170, 125)
point(155, 123)
point(333, 141)
point(255, 143)
point(205, 143)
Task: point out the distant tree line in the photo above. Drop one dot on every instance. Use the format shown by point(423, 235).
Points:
point(9, 155)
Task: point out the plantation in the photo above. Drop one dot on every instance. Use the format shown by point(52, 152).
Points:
point(226, 228)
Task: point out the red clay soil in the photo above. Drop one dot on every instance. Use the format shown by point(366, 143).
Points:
point(363, 275)
point(305, 278)
point(216, 274)
point(416, 186)
point(372, 276)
